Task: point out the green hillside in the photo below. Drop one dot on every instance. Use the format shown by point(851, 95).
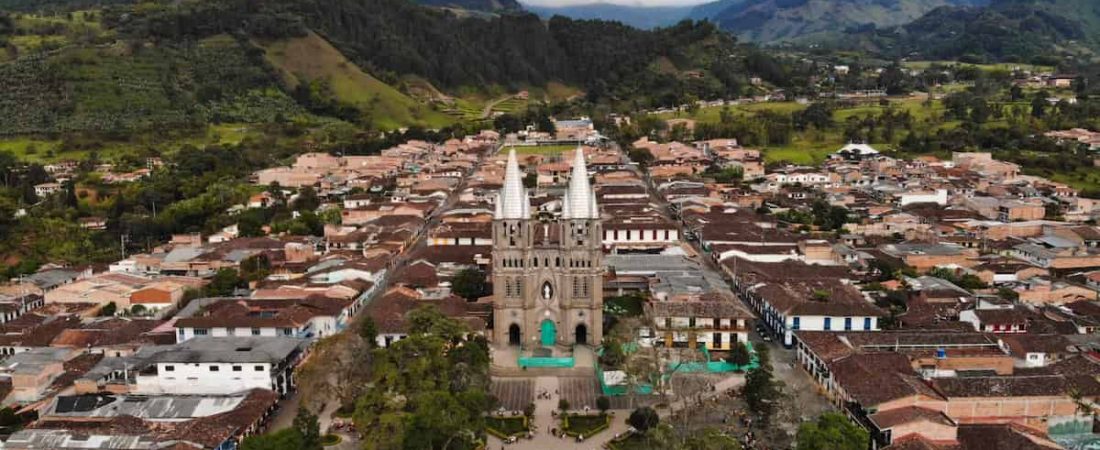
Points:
point(785, 20)
point(1037, 31)
point(118, 88)
point(311, 59)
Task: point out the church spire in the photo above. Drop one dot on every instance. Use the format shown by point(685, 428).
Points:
point(512, 202)
point(580, 199)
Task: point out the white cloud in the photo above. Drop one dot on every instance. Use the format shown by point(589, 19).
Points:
point(617, 2)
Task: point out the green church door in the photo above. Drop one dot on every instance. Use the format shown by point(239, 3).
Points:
point(549, 333)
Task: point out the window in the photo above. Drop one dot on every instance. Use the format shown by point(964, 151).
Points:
point(214, 368)
point(201, 331)
point(255, 331)
point(828, 323)
point(169, 368)
point(847, 324)
point(797, 323)
point(288, 332)
point(258, 368)
point(236, 368)
point(866, 323)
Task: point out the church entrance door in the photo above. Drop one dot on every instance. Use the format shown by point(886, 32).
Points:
point(549, 333)
point(582, 334)
point(513, 335)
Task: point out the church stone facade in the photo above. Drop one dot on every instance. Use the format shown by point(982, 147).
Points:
point(548, 272)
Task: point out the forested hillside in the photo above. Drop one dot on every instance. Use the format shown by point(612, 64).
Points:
point(644, 17)
point(476, 5)
point(784, 20)
point(391, 38)
point(1038, 31)
point(132, 67)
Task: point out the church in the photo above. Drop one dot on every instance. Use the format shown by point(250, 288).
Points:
point(547, 268)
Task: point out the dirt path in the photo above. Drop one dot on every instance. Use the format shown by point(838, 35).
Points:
point(488, 110)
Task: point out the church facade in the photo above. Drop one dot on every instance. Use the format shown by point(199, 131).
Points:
point(547, 271)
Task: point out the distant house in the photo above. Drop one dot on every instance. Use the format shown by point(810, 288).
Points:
point(855, 152)
point(45, 189)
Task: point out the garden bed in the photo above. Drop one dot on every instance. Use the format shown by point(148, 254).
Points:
point(505, 427)
point(584, 425)
point(330, 439)
point(631, 441)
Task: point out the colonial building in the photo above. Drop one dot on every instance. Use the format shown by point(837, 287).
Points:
point(547, 271)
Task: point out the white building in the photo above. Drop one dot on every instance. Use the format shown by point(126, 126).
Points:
point(222, 366)
point(939, 197)
point(786, 308)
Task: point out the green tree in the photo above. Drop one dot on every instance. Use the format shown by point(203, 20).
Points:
point(368, 330)
point(255, 268)
point(224, 282)
point(832, 431)
point(309, 428)
point(739, 355)
point(470, 284)
point(563, 405)
point(108, 310)
point(285, 439)
point(643, 419)
point(603, 404)
point(762, 393)
point(306, 200)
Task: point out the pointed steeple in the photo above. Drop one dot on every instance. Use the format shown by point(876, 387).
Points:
point(594, 212)
point(580, 199)
point(512, 202)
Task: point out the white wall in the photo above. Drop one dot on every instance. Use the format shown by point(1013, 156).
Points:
point(198, 379)
point(640, 236)
point(183, 334)
point(938, 197)
point(817, 323)
point(758, 257)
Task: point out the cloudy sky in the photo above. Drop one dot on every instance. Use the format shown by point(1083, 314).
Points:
point(618, 2)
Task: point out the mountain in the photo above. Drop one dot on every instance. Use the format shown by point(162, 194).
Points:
point(636, 16)
point(1039, 31)
point(475, 5)
point(161, 64)
point(785, 20)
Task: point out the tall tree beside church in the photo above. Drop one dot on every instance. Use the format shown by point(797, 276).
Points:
point(470, 284)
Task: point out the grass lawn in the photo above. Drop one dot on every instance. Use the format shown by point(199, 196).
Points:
point(922, 65)
point(506, 426)
point(543, 149)
point(582, 425)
